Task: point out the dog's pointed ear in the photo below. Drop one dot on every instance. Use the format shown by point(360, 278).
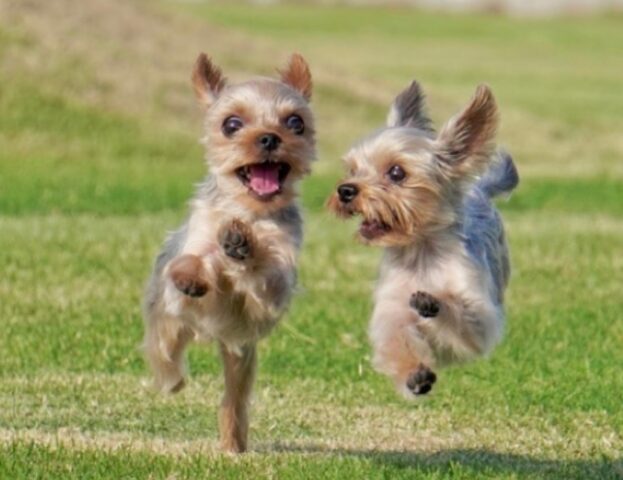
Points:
point(208, 81)
point(297, 75)
point(409, 109)
point(465, 143)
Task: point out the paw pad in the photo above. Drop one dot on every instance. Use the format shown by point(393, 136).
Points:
point(187, 276)
point(235, 241)
point(191, 287)
point(425, 304)
point(421, 381)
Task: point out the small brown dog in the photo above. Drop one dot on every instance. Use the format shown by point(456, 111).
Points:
point(228, 273)
point(426, 199)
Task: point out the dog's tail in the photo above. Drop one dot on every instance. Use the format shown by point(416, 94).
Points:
point(501, 177)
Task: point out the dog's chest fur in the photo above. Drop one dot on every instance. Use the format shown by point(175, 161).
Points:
point(440, 268)
point(228, 315)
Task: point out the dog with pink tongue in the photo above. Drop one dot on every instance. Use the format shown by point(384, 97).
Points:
point(228, 273)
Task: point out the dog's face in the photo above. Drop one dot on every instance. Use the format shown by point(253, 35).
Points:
point(407, 182)
point(259, 134)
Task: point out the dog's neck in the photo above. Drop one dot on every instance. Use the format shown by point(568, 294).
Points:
point(426, 248)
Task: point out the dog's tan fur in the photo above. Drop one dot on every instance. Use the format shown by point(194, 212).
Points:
point(229, 272)
point(420, 220)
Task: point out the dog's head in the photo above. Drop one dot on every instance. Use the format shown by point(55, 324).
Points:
point(405, 180)
point(259, 134)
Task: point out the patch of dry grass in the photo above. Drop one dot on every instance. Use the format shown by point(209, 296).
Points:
point(111, 412)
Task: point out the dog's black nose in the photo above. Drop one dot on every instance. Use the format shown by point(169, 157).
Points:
point(269, 141)
point(347, 192)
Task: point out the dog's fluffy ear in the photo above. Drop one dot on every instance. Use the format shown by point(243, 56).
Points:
point(297, 75)
point(465, 143)
point(409, 109)
point(208, 80)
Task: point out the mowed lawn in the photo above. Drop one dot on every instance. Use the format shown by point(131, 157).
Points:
point(99, 154)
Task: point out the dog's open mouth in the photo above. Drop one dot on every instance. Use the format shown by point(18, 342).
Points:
point(371, 229)
point(264, 179)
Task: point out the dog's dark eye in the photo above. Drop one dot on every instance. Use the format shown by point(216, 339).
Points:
point(396, 174)
point(296, 124)
point(231, 125)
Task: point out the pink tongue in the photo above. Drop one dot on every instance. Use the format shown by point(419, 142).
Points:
point(264, 178)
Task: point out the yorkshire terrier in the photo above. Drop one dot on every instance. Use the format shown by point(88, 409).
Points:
point(228, 273)
point(426, 198)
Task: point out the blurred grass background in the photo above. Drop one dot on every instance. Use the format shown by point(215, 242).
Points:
point(99, 154)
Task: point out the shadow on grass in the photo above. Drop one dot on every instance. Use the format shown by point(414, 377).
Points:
point(474, 461)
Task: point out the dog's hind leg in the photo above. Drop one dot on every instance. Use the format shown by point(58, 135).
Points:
point(399, 351)
point(166, 338)
point(239, 370)
point(462, 328)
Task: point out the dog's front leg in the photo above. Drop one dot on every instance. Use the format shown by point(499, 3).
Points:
point(468, 327)
point(263, 267)
point(191, 276)
point(188, 275)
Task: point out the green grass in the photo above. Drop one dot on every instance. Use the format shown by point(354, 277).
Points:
point(92, 176)
point(126, 464)
point(65, 157)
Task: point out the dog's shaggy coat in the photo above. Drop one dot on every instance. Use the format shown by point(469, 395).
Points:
point(228, 273)
point(427, 199)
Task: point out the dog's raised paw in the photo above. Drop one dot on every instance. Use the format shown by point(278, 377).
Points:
point(425, 304)
point(236, 240)
point(421, 381)
point(190, 286)
point(185, 272)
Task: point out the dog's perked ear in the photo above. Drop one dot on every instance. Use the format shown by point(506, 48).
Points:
point(465, 143)
point(208, 80)
point(297, 75)
point(409, 109)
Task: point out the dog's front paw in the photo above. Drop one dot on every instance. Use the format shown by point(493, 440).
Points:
point(237, 240)
point(186, 273)
point(425, 304)
point(421, 381)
